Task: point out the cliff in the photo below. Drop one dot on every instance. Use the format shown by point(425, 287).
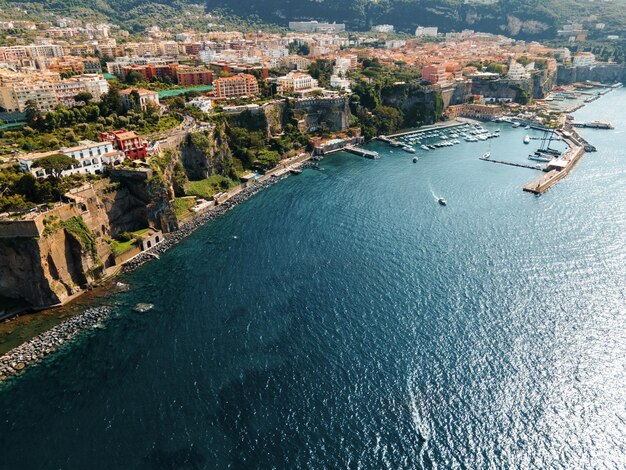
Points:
point(47, 257)
point(604, 73)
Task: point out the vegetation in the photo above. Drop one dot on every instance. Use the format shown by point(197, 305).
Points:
point(210, 186)
point(21, 191)
point(126, 241)
point(55, 164)
point(182, 206)
point(78, 227)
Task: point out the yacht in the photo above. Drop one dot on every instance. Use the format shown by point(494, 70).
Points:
point(424, 147)
point(516, 124)
point(527, 127)
point(408, 149)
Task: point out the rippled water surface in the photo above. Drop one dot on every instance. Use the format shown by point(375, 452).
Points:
point(343, 319)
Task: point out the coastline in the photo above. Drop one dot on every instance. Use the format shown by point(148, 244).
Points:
point(35, 349)
point(51, 340)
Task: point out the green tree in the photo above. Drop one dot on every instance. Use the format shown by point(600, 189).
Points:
point(33, 114)
point(83, 97)
point(55, 164)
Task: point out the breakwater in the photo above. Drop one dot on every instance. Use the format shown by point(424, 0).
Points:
point(35, 350)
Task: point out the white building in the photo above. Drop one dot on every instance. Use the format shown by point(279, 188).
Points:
point(90, 159)
point(203, 103)
point(584, 59)
point(339, 82)
point(383, 28)
point(316, 27)
point(426, 31)
point(295, 81)
point(517, 71)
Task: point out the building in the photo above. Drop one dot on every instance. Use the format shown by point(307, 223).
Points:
point(339, 82)
point(242, 84)
point(129, 142)
point(47, 91)
point(189, 76)
point(316, 27)
point(144, 96)
point(90, 159)
point(383, 28)
point(203, 103)
point(584, 59)
point(517, 71)
point(295, 81)
point(434, 73)
point(426, 31)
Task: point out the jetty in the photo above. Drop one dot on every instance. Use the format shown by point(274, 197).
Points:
point(559, 168)
point(362, 152)
point(519, 165)
point(593, 125)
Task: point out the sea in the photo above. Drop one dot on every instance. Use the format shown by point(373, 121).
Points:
point(343, 318)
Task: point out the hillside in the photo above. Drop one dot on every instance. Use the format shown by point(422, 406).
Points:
point(517, 18)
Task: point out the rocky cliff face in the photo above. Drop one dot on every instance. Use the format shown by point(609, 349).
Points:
point(205, 153)
point(419, 104)
point(604, 73)
point(48, 270)
point(51, 256)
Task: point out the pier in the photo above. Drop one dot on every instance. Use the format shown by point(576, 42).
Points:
point(519, 165)
point(559, 168)
point(362, 152)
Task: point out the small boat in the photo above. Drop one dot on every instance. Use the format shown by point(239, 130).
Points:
point(408, 149)
point(486, 155)
point(527, 127)
point(414, 159)
point(442, 201)
point(424, 147)
point(527, 139)
point(516, 124)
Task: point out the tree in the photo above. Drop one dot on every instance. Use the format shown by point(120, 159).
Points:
point(56, 164)
point(267, 159)
point(33, 115)
point(83, 97)
point(133, 77)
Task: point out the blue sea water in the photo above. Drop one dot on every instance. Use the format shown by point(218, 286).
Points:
point(343, 319)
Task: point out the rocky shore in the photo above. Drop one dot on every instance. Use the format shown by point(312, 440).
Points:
point(192, 225)
point(35, 350)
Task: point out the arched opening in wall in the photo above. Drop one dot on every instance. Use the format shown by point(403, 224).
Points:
point(149, 244)
point(157, 239)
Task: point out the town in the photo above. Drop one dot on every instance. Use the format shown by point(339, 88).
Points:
point(110, 143)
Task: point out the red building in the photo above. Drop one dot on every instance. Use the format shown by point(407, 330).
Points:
point(434, 73)
point(151, 71)
point(129, 142)
point(188, 76)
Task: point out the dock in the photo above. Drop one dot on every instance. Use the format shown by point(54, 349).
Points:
point(362, 152)
point(559, 168)
point(593, 125)
point(519, 165)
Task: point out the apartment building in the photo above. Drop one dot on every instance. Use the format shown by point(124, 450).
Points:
point(189, 76)
point(242, 84)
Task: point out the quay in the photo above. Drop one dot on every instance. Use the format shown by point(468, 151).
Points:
point(519, 165)
point(362, 152)
point(559, 168)
point(593, 125)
